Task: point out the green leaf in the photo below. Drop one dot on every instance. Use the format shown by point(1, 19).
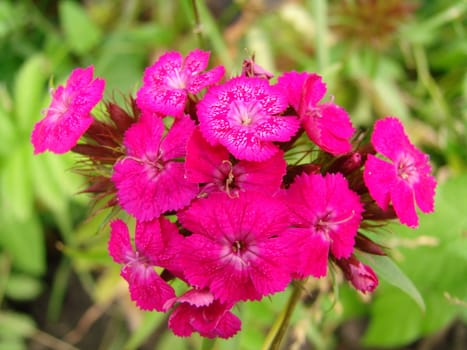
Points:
point(395, 320)
point(24, 242)
point(16, 325)
point(12, 344)
point(390, 98)
point(7, 128)
point(16, 195)
point(81, 33)
point(435, 259)
point(386, 269)
point(22, 287)
point(29, 91)
point(45, 187)
point(151, 320)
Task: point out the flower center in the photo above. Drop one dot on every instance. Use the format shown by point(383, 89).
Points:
point(324, 224)
point(177, 80)
point(225, 178)
point(59, 108)
point(406, 169)
point(244, 113)
point(153, 164)
point(238, 247)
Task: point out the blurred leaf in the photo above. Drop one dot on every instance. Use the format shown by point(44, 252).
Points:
point(122, 63)
point(24, 241)
point(258, 43)
point(395, 320)
point(16, 195)
point(7, 128)
point(22, 287)
point(436, 269)
point(12, 344)
point(212, 32)
point(46, 189)
point(81, 33)
point(390, 99)
point(16, 325)
point(387, 269)
point(151, 320)
point(28, 92)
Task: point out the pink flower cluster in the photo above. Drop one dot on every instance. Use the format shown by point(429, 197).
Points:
point(238, 185)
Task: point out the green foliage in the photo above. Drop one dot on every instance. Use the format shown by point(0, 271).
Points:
point(13, 328)
point(435, 266)
point(81, 33)
point(418, 73)
point(388, 271)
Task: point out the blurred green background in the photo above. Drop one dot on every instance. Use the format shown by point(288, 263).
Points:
point(58, 287)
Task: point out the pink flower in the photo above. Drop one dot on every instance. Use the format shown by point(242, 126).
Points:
point(214, 167)
point(243, 115)
point(362, 277)
point(154, 243)
point(404, 178)
point(198, 311)
point(240, 248)
point(68, 116)
point(329, 213)
point(326, 124)
point(150, 180)
point(167, 83)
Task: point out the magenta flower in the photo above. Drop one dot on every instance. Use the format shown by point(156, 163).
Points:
point(213, 167)
point(240, 248)
point(326, 124)
point(167, 83)
point(198, 311)
point(404, 178)
point(243, 115)
point(150, 180)
point(329, 213)
point(154, 243)
point(362, 277)
point(68, 116)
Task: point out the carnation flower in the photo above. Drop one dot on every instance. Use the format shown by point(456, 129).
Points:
point(68, 116)
point(153, 247)
point(240, 248)
point(213, 167)
point(150, 180)
point(326, 124)
point(168, 81)
point(401, 179)
point(243, 115)
point(198, 311)
point(329, 213)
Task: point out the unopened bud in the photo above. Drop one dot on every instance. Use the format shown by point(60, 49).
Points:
point(251, 69)
point(361, 276)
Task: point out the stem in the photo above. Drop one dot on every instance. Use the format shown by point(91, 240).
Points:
point(279, 328)
point(198, 25)
point(320, 10)
point(208, 344)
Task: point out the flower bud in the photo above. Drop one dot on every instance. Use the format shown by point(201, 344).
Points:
point(361, 276)
point(251, 69)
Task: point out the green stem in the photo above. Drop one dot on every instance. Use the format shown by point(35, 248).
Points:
point(198, 25)
point(429, 83)
point(208, 344)
point(280, 326)
point(320, 10)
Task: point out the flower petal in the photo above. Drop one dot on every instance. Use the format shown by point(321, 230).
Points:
point(119, 245)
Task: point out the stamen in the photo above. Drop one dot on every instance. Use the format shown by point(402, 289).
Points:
point(237, 247)
point(324, 224)
point(229, 181)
